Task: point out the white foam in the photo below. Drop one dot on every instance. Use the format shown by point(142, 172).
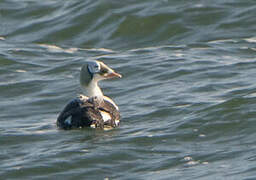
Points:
point(54, 48)
point(21, 71)
point(251, 40)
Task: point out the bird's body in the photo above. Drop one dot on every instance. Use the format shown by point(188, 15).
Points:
point(94, 110)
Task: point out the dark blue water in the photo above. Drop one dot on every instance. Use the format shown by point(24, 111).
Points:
point(187, 96)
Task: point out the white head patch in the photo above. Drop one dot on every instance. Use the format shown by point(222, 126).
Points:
point(94, 66)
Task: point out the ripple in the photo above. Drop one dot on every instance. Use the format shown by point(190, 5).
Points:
point(53, 48)
point(187, 96)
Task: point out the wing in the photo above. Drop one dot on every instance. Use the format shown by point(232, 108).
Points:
point(112, 110)
point(71, 110)
point(80, 112)
point(88, 112)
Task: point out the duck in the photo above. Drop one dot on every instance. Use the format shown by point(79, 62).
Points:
point(92, 108)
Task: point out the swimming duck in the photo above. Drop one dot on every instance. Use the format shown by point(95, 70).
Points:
point(93, 110)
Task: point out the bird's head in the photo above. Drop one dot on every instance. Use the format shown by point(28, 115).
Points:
point(96, 71)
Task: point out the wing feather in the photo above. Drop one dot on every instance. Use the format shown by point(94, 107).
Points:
point(85, 112)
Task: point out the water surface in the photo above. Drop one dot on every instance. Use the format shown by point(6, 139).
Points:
point(187, 96)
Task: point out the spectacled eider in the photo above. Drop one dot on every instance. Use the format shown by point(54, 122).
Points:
point(94, 110)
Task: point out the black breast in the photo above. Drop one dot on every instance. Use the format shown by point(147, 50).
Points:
point(86, 112)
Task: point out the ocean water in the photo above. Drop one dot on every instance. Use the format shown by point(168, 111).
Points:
point(187, 97)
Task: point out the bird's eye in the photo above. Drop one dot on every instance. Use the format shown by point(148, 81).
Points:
point(104, 70)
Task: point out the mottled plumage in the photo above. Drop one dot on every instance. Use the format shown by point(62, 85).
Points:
point(87, 112)
point(94, 110)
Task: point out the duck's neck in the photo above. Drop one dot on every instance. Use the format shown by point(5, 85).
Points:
point(93, 90)
point(90, 84)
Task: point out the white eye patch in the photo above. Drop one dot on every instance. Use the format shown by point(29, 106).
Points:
point(93, 66)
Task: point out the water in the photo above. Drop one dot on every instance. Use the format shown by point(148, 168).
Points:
point(187, 96)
